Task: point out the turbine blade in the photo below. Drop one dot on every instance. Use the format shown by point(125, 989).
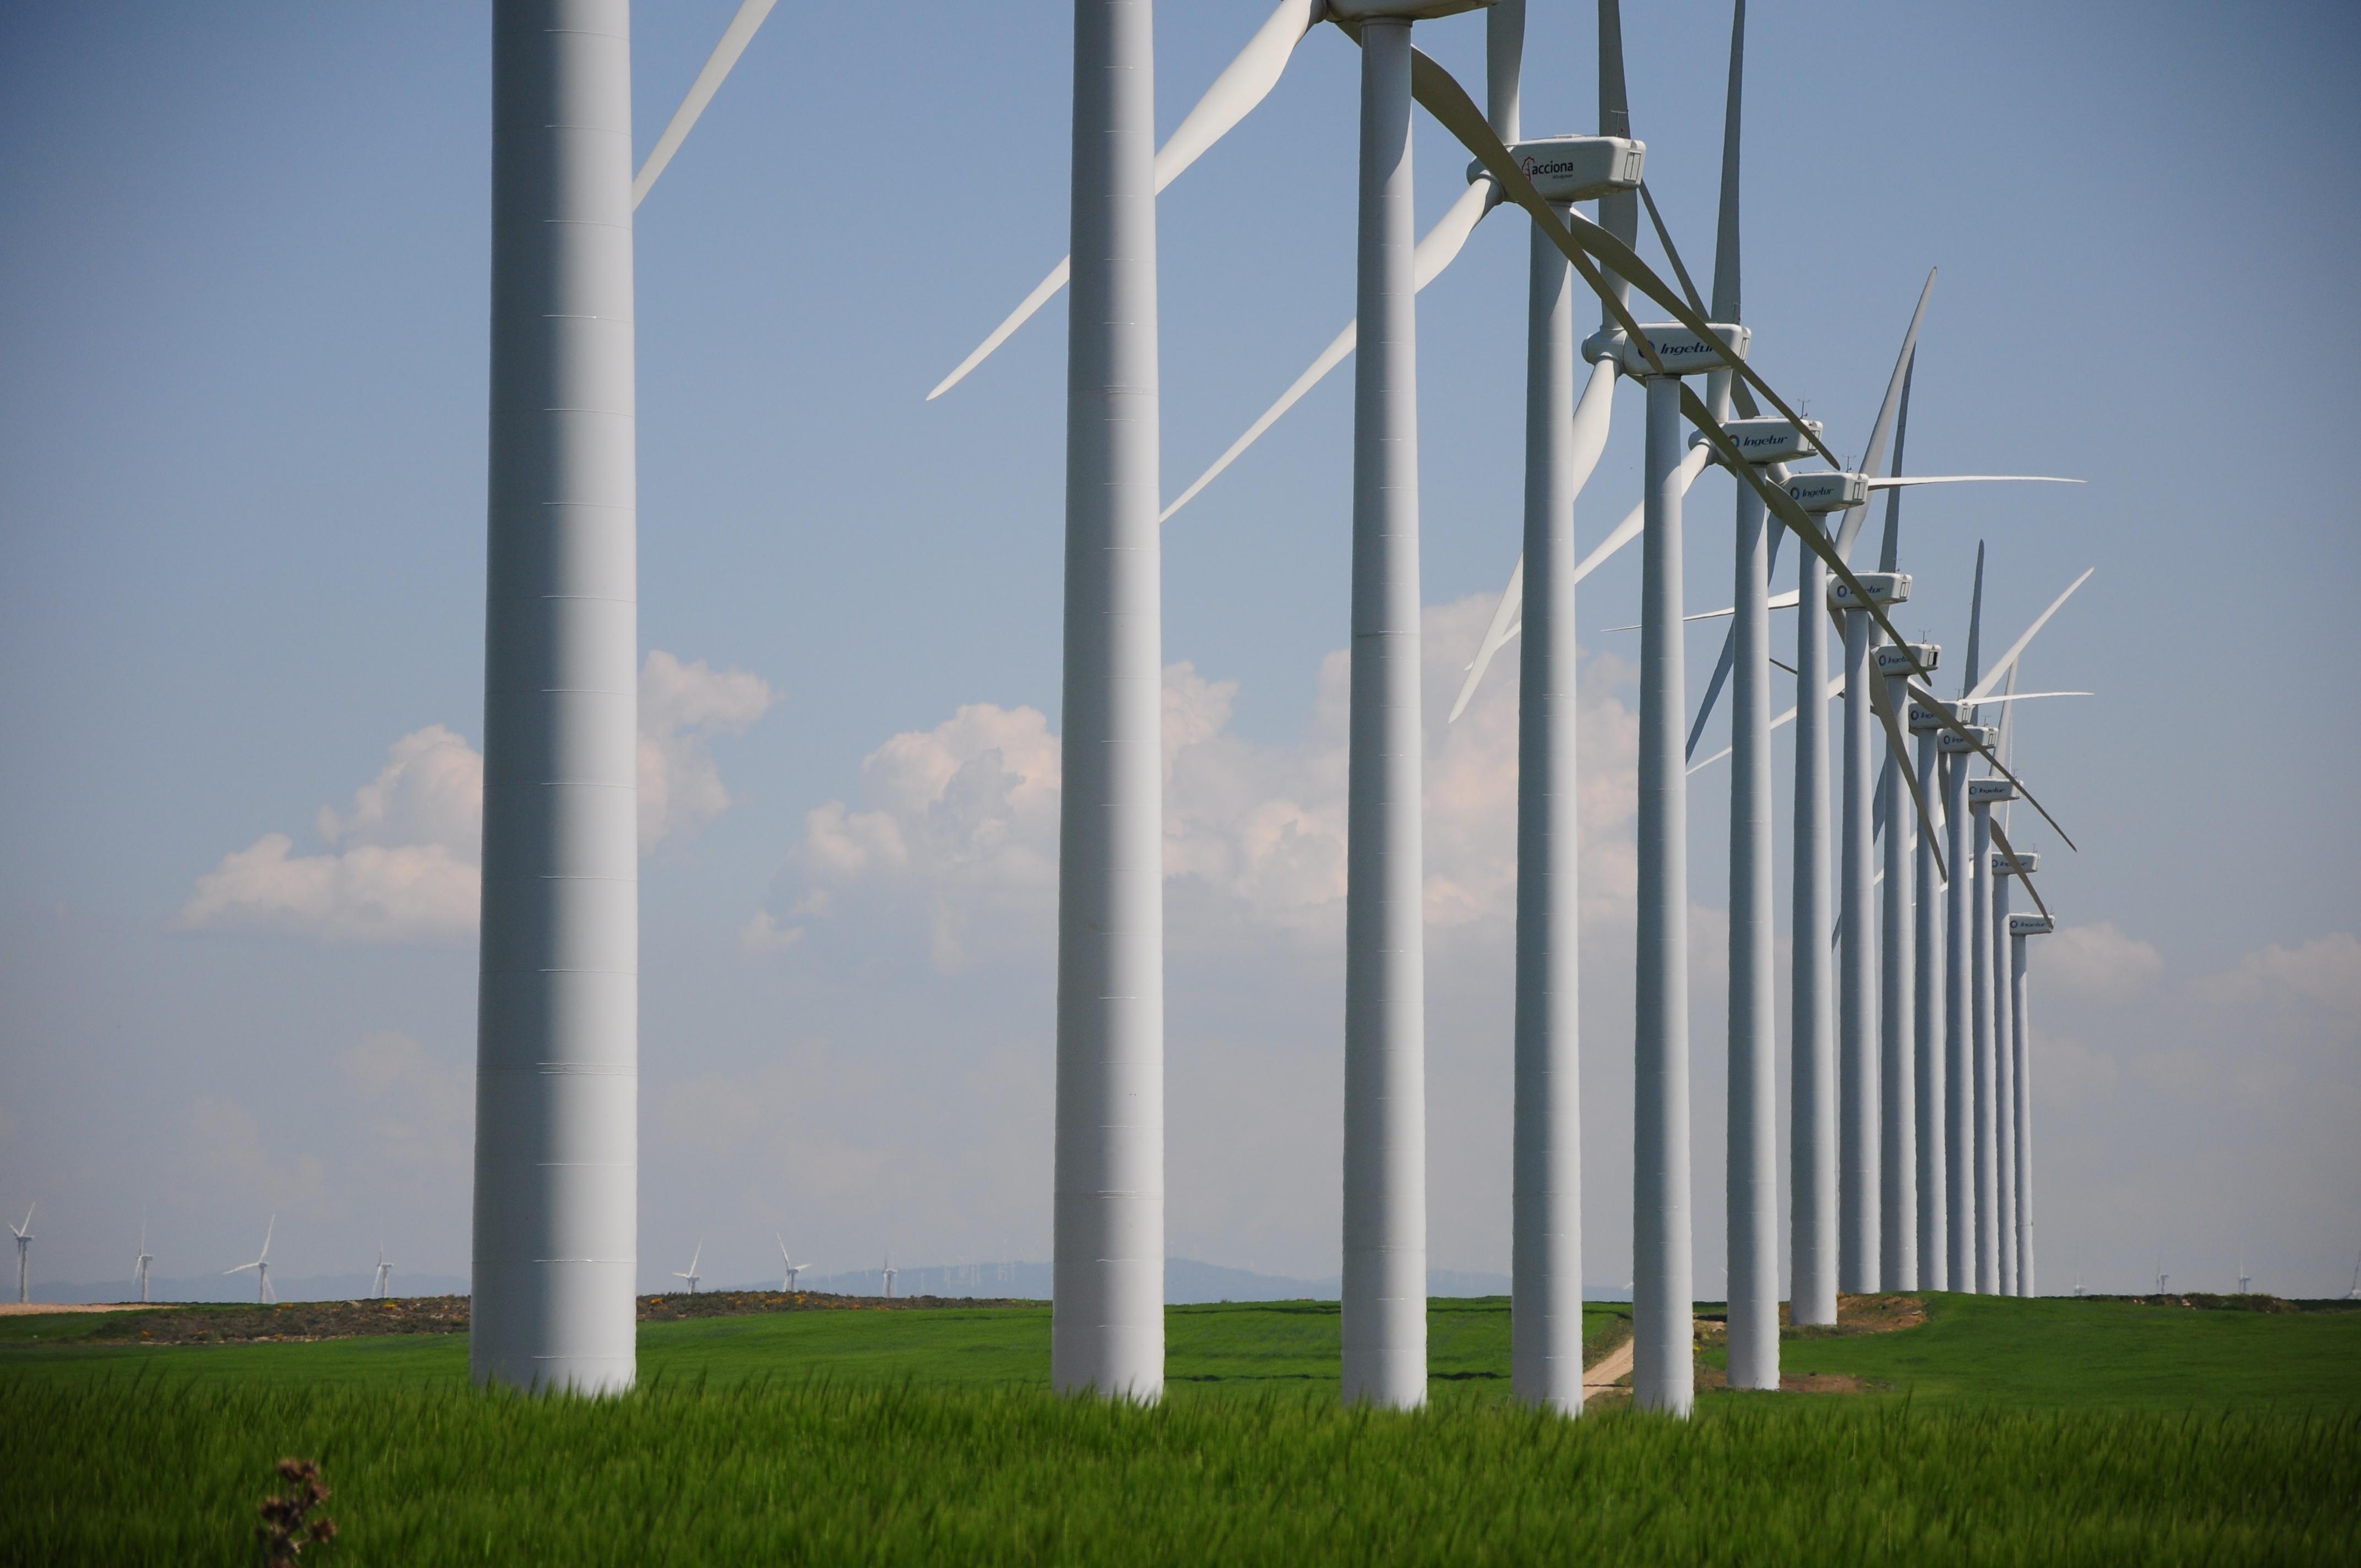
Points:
point(1898, 482)
point(2024, 696)
point(2000, 837)
point(265, 1236)
point(1836, 689)
point(1436, 251)
point(734, 39)
point(1726, 291)
point(1729, 659)
point(1850, 529)
point(1504, 626)
point(1058, 277)
point(1984, 689)
point(1242, 84)
point(1943, 712)
point(1575, 237)
point(1897, 757)
point(1975, 624)
point(1889, 552)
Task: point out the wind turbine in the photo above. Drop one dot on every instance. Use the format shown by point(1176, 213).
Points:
point(381, 1286)
point(24, 1234)
point(888, 1271)
point(690, 1273)
point(789, 1265)
point(261, 1265)
point(557, 1169)
point(139, 1269)
point(2246, 1281)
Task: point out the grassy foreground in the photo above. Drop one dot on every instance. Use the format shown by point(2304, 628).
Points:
point(121, 1474)
point(2055, 1433)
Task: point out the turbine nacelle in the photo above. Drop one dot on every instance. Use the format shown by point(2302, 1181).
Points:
point(1575, 168)
point(1885, 588)
point(1773, 438)
point(1951, 740)
point(2031, 925)
point(1681, 351)
point(2031, 859)
point(1893, 659)
point(1990, 791)
point(1828, 491)
point(1925, 720)
point(1399, 10)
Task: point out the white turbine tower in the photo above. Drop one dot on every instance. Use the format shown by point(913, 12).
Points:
point(2020, 927)
point(381, 1286)
point(261, 1265)
point(788, 1266)
point(556, 1175)
point(690, 1273)
point(139, 1267)
point(1384, 1293)
point(1563, 439)
point(887, 1273)
point(24, 1234)
point(1107, 1301)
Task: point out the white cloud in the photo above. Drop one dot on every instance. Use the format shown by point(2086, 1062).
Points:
point(2099, 962)
point(401, 865)
point(682, 708)
point(957, 824)
point(2325, 972)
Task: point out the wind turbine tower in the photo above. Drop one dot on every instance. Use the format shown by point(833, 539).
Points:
point(139, 1267)
point(1107, 1325)
point(556, 1177)
point(1384, 1292)
point(381, 1286)
point(888, 1271)
point(1563, 438)
point(2020, 927)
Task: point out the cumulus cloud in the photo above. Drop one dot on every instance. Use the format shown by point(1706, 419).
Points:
point(400, 864)
point(955, 833)
point(682, 708)
point(2100, 962)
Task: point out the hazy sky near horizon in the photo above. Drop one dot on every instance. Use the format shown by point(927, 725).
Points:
point(243, 309)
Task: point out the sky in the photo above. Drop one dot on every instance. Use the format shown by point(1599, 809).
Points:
point(243, 322)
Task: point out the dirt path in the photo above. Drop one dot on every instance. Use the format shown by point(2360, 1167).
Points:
point(1610, 1370)
point(39, 1308)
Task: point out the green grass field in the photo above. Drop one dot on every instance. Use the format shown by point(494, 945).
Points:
point(2043, 1432)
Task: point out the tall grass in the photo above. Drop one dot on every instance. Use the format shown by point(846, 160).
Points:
point(129, 1470)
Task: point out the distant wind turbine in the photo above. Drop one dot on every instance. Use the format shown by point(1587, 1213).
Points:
point(261, 1265)
point(889, 1271)
point(139, 1269)
point(690, 1273)
point(383, 1285)
point(792, 1268)
point(24, 1234)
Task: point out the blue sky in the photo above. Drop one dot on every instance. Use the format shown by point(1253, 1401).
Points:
point(242, 319)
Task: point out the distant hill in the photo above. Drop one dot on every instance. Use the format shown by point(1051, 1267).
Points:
point(240, 1288)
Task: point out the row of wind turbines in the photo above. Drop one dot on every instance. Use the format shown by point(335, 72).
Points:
point(381, 1281)
point(1910, 1150)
